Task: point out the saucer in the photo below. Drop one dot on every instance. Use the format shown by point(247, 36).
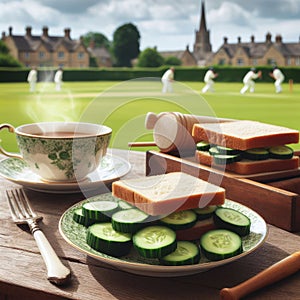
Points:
point(111, 168)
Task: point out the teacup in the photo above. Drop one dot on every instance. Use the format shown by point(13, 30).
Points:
point(61, 151)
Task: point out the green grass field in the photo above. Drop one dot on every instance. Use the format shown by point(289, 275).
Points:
point(123, 105)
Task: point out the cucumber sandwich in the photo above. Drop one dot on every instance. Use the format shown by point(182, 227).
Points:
point(246, 147)
point(159, 218)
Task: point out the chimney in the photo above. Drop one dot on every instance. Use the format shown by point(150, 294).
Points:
point(3, 35)
point(252, 39)
point(10, 30)
point(187, 48)
point(28, 31)
point(45, 31)
point(67, 33)
point(268, 37)
point(278, 39)
point(239, 39)
point(225, 40)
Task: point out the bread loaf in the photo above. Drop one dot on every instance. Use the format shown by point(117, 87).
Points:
point(244, 135)
point(164, 194)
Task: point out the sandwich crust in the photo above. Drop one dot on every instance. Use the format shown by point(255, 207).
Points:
point(244, 135)
point(166, 193)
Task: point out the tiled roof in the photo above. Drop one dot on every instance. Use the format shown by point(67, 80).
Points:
point(30, 44)
point(177, 54)
point(257, 50)
point(99, 52)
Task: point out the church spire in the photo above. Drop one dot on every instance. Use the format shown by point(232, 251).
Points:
point(202, 27)
point(202, 45)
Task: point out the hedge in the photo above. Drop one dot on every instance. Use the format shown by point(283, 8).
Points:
point(226, 74)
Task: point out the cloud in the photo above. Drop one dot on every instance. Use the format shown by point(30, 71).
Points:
point(277, 9)
point(20, 14)
point(70, 6)
point(117, 11)
point(168, 24)
point(231, 13)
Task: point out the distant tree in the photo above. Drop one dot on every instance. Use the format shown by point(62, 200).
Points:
point(150, 58)
point(99, 39)
point(7, 60)
point(93, 62)
point(3, 48)
point(172, 61)
point(126, 44)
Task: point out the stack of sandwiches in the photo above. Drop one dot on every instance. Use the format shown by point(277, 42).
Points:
point(246, 147)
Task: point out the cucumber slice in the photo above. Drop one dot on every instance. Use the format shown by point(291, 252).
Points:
point(220, 244)
point(129, 220)
point(124, 205)
point(227, 151)
point(103, 238)
point(281, 152)
point(99, 210)
point(213, 151)
point(79, 218)
point(203, 146)
point(224, 159)
point(256, 154)
point(155, 241)
point(205, 212)
point(186, 253)
point(233, 220)
point(180, 220)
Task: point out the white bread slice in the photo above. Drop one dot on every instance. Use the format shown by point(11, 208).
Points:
point(195, 232)
point(164, 194)
point(247, 167)
point(244, 135)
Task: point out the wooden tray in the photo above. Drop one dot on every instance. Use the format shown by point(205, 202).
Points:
point(272, 195)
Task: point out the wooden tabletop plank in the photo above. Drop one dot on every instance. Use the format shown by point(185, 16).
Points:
point(22, 271)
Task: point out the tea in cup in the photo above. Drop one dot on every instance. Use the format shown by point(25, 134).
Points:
point(61, 151)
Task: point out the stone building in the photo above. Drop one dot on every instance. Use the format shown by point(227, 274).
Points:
point(254, 53)
point(45, 50)
point(101, 55)
point(186, 56)
point(239, 53)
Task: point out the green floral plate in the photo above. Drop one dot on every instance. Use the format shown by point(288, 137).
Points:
point(75, 235)
point(111, 168)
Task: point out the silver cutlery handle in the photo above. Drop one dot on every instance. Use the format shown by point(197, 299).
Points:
point(56, 272)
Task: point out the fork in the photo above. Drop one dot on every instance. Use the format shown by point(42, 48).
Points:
point(22, 213)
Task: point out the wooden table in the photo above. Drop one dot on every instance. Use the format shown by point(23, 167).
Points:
point(23, 275)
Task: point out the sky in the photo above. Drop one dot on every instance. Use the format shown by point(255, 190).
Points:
point(165, 24)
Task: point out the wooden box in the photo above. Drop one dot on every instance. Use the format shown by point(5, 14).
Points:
point(276, 196)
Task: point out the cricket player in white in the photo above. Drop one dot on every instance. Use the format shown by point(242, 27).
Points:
point(58, 79)
point(32, 79)
point(167, 80)
point(279, 78)
point(208, 79)
point(248, 81)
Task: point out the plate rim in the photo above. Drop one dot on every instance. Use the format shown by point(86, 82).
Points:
point(158, 270)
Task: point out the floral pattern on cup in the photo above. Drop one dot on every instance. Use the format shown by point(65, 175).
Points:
point(70, 156)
